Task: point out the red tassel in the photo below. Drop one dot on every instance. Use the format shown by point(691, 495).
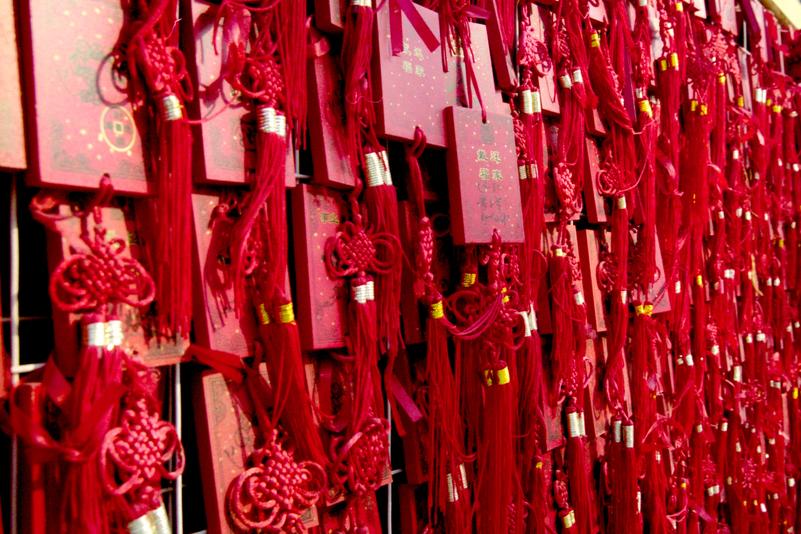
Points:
point(285, 368)
point(562, 353)
point(174, 216)
point(381, 205)
point(357, 49)
point(448, 489)
point(496, 459)
point(579, 471)
point(268, 184)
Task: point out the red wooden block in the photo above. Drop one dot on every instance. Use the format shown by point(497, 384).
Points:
point(220, 139)
point(316, 213)
point(417, 70)
point(12, 135)
point(699, 8)
point(597, 13)
point(483, 185)
point(332, 163)
point(724, 12)
point(215, 320)
point(79, 125)
point(761, 46)
point(225, 437)
point(504, 68)
point(587, 247)
point(119, 223)
point(593, 200)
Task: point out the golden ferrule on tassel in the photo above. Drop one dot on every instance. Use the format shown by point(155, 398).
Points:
point(628, 436)
point(286, 313)
point(364, 293)
point(527, 101)
point(153, 522)
point(436, 310)
point(141, 525)
point(645, 107)
point(595, 40)
point(522, 172)
point(468, 279)
point(264, 317)
point(453, 495)
point(94, 335)
point(621, 202)
point(674, 60)
point(565, 81)
point(574, 425)
point(375, 168)
point(171, 108)
point(361, 3)
point(160, 521)
point(113, 332)
point(499, 377)
point(617, 431)
point(569, 519)
point(577, 76)
point(271, 121)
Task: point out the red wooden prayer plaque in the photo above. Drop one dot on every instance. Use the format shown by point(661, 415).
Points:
point(79, 125)
point(118, 223)
point(225, 437)
point(483, 185)
point(332, 163)
point(221, 138)
point(320, 302)
point(12, 138)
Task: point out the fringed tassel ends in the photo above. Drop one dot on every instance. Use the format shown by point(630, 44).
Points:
point(174, 215)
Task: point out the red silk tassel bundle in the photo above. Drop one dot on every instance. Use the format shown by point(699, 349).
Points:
point(381, 210)
point(563, 349)
point(357, 49)
point(291, 402)
point(148, 56)
point(496, 457)
point(449, 494)
point(579, 470)
point(271, 146)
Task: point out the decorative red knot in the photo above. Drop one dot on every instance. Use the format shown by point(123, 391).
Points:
point(265, 80)
point(354, 250)
point(566, 190)
point(363, 459)
point(102, 275)
point(534, 53)
point(164, 66)
point(134, 455)
point(273, 494)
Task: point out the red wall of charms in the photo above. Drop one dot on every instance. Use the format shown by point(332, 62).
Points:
point(435, 266)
